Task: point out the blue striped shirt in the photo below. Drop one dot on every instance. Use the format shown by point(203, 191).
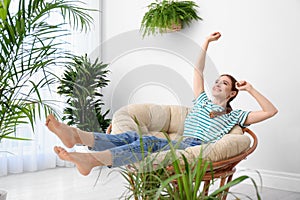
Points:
point(199, 125)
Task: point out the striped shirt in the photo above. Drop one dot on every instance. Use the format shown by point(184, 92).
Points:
point(199, 125)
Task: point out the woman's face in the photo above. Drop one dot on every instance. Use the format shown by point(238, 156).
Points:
point(222, 88)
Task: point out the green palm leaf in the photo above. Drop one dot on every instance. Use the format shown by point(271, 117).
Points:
point(30, 48)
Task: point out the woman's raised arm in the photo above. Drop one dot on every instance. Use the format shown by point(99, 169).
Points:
point(199, 67)
point(267, 108)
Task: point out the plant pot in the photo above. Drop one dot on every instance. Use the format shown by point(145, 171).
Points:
point(175, 28)
point(3, 195)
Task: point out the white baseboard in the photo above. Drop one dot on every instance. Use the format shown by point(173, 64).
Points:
point(273, 179)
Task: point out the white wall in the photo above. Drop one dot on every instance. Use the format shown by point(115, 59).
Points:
point(260, 43)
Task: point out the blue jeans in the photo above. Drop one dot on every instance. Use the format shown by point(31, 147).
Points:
point(126, 147)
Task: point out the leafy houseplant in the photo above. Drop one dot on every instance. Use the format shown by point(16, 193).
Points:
point(29, 47)
point(184, 181)
point(173, 179)
point(81, 84)
point(167, 15)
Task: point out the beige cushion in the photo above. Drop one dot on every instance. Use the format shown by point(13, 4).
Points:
point(169, 119)
point(229, 146)
point(151, 118)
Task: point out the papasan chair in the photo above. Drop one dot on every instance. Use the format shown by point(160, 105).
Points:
point(159, 120)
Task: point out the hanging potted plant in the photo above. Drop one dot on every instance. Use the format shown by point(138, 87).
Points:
point(81, 84)
point(168, 15)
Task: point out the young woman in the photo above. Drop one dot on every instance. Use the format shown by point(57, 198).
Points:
point(207, 122)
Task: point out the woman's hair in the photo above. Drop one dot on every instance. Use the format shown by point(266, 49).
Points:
point(228, 108)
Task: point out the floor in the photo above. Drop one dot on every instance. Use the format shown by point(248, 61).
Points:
point(67, 183)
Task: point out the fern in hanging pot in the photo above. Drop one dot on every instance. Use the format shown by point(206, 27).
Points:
point(81, 84)
point(168, 15)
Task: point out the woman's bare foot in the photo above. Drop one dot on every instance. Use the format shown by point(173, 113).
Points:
point(67, 134)
point(84, 162)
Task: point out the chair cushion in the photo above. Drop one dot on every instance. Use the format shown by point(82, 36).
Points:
point(160, 119)
point(229, 146)
point(151, 118)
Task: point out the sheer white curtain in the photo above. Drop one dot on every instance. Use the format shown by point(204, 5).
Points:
point(17, 156)
point(37, 154)
point(27, 156)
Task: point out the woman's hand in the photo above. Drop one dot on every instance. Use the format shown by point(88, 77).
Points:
point(243, 86)
point(267, 108)
point(214, 36)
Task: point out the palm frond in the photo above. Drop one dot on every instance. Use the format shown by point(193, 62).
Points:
point(31, 48)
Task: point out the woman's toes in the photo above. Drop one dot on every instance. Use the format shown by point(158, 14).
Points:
point(56, 150)
point(59, 150)
point(49, 118)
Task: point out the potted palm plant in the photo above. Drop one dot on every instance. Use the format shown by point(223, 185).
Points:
point(168, 15)
point(30, 46)
point(81, 83)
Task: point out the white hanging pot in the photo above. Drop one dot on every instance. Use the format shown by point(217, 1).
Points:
point(3, 195)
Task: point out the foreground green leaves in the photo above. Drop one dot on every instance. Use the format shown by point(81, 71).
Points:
point(174, 178)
